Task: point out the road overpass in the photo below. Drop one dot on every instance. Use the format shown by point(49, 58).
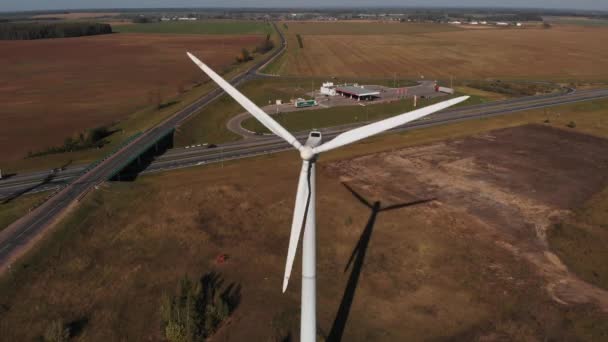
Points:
point(257, 145)
point(19, 236)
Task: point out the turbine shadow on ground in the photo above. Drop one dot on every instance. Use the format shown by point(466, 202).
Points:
point(357, 259)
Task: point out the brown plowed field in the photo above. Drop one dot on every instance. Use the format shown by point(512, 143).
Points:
point(51, 89)
point(439, 51)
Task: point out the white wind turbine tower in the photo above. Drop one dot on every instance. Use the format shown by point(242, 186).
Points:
point(304, 212)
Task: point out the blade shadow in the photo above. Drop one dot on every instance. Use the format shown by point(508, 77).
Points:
point(357, 259)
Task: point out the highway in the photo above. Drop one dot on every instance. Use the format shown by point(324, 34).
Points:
point(16, 238)
point(257, 145)
point(75, 182)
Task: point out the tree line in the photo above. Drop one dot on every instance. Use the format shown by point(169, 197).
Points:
point(91, 138)
point(261, 49)
point(29, 31)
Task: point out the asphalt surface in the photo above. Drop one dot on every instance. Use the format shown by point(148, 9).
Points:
point(15, 239)
point(257, 145)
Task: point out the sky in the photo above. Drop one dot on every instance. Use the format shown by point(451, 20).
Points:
point(27, 5)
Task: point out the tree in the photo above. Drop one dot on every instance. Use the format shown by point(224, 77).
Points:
point(266, 46)
point(197, 310)
point(245, 56)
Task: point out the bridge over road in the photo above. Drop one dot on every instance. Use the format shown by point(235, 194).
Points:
point(23, 233)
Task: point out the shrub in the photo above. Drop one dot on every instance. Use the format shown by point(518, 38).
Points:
point(245, 56)
point(198, 308)
point(266, 46)
point(87, 139)
point(572, 124)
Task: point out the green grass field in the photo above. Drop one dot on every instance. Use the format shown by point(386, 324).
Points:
point(198, 27)
point(209, 125)
point(309, 119)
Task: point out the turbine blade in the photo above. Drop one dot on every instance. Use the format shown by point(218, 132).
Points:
point(299, 219)
point(384, 125)
point(251, 107)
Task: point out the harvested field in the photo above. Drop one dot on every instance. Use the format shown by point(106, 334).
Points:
point(230, 27)
point(563, 52)
point(55, 88)
point(77, 15)
point(364, 28)
point(470, 264)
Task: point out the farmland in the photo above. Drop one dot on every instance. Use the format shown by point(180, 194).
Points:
point(83, 83)
point(447, 269)
point(442, 51)
point(76, 15)
point(228, 27)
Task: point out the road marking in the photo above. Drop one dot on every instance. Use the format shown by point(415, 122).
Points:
point(5, 247)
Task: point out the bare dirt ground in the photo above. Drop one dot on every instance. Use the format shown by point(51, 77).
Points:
point(52, 89)
point(515, 183)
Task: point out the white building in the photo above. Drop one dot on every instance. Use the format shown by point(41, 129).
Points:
point(328, 88)
point(455, 22)
point(518, 24)
point(502, 23)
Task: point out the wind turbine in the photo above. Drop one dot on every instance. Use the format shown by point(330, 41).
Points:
point(304, 212)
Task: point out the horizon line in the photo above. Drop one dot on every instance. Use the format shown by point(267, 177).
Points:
point(311, 8)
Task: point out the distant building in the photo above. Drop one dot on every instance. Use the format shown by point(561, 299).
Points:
point(474, 23)
point(186, 19)
point(483, 22)
point(328, 88)
point(502, 23)
point(518, 24)
point(357, 92)
point(455, 22)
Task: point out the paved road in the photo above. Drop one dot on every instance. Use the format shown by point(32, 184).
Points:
point(15, 239)
point(424, 88)
point(185, 157)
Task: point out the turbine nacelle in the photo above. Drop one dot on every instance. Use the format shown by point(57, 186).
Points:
point(307, 150)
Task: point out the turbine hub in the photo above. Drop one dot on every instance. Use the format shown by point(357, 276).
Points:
point(306, 153)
